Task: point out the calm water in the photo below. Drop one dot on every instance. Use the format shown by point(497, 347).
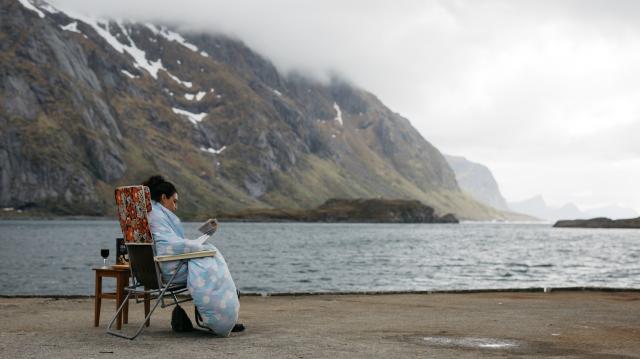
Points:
point(55, 257)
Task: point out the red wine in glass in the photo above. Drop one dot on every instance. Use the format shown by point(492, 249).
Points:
point(104, 252)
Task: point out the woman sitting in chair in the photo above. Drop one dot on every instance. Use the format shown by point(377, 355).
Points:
point(208, 279)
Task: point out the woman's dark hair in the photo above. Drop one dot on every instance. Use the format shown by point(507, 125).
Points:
point(158, 186)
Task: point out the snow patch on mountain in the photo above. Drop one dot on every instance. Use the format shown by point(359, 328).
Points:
point(195, 118)
point(174, 36)
point(186, 84)
point(197, 96)
point(31, 7)
point(129, 74)
point(102, 28)
point(73, 27)
point(48, 8)
point(213, 150)
point(338, 113)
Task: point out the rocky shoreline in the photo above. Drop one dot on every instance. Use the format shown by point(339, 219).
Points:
point(332, 211)
point(348, 211)
point(600, 222)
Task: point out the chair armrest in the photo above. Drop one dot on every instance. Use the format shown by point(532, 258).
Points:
point(177, 257)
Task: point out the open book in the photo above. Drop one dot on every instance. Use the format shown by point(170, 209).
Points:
point(209, 227)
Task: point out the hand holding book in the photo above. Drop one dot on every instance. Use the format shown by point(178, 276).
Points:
point(208, 228)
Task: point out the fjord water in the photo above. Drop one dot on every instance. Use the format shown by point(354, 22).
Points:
point(56, 257)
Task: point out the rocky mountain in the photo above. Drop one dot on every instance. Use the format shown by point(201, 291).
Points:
point(477, 180)
point(537, 207)
point(86, 105)
point(372, 210)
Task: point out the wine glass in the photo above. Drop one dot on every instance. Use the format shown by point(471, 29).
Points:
point(104, 252)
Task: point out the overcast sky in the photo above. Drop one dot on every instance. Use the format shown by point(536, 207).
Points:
point(545, 93)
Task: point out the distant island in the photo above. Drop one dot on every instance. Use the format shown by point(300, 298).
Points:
point(600, 222)
point(349, 211)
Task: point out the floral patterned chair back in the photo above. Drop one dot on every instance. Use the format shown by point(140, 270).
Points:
point(134, 202)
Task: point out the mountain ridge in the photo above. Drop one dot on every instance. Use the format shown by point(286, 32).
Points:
point(91, 104)
point(477, 180)
point(537, 206)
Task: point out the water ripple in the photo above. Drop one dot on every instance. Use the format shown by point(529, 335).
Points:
point(268, 257)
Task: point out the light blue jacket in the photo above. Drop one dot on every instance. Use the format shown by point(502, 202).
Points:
point(208, 279)
point(168, 236)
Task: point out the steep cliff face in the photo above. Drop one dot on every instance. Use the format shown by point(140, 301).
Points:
point(478, 181)
point(86, 105)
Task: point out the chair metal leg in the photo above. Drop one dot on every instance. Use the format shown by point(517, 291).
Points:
point(147, 317)
point(182, 262)
point(140, 328)
point(119, 303)
point(120, 308)
point(147, 306)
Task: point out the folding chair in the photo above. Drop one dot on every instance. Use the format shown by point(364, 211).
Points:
point(134, 202)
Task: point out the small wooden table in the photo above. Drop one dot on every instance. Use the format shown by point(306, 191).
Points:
point(121, 274)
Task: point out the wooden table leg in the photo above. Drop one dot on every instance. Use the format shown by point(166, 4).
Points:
point(147, 307)
point(98, 300)
point(125, 319)
point(123, 280)
point(118, 302)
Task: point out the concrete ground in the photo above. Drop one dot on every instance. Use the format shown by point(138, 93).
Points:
point(470, 325)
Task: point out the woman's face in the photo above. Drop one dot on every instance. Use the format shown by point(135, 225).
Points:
point(170, 203)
